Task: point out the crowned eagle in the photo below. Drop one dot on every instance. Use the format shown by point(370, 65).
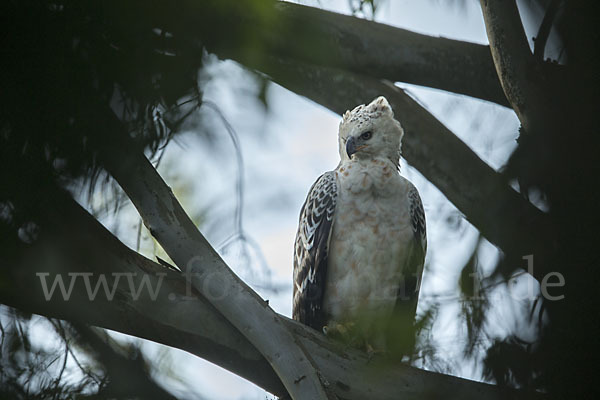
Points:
point(361, 241)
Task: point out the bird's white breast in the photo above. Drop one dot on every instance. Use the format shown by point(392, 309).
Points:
point(369, 242)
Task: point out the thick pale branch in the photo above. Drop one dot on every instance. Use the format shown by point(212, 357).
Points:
point(180, 317)
point(507, 219)
point(240, 305)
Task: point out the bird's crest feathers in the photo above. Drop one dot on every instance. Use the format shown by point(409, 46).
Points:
point(374, 109)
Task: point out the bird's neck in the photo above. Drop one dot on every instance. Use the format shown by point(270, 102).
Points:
point(366, 161)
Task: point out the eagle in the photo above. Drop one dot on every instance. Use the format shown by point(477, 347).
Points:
point(361, 240)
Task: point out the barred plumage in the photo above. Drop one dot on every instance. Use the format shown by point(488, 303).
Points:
point(361, 238)
point(312, 242)
point(417, 216)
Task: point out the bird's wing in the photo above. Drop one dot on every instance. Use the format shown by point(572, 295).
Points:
point(412, 270)
point(311, 249)
point(417, 217)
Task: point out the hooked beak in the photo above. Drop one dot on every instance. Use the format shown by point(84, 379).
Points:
point(350, 146)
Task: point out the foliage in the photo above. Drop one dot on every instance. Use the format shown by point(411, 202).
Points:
point(38, 370)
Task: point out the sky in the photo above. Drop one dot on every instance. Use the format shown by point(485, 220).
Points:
point(285, 147)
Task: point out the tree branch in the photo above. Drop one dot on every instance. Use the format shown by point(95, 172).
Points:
point(180, 317)
point(203, 267)
point(249, 31)
point(385, 52)
point(544, 32)
point(73, 242)
point(514, 62)
point(508, 220)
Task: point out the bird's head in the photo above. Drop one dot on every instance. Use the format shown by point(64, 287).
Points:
point(371, 131)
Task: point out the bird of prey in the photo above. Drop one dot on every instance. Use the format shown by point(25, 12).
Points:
point(361, 240)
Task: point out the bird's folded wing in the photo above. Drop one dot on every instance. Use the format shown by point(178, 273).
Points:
point(311, 249)
point(412, 270)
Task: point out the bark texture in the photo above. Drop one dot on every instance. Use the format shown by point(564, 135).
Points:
point(515, 65)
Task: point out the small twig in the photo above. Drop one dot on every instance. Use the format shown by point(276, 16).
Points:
point(139, 235)
point(59, 328)
point(239, 181)
point(195, 98)
point(446, 296)
point(61, 331)
point(239, 233)
point(2, 340)
point(85, 371)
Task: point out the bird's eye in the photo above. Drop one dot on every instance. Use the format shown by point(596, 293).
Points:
point(366, 136)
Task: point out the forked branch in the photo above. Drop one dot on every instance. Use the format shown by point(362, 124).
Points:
point(203, 267)
point(180, 317)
